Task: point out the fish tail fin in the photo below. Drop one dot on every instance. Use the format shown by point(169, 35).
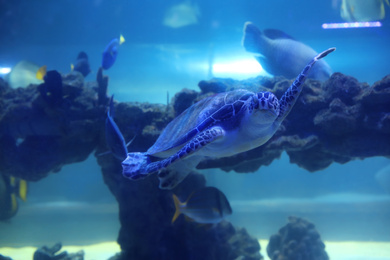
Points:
point(121, 39)
point(22, 190)
point(387, 2)
point(41, 72)
point(177, 207)
point(14, 204)
point(12, 181)
point(252, 39)
point(111, 108)
point(103, 153)
point(129, 142)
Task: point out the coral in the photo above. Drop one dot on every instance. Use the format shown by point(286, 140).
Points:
point(298, 240)
point(182, 99)
point(50, 253)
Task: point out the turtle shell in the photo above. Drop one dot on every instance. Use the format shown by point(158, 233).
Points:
point(224, 109)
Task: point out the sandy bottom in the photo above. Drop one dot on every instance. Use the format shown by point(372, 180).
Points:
point(348, 250)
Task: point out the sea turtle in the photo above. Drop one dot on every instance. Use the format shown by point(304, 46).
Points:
point(218, 126)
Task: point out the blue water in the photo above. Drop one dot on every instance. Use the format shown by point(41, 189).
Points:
point(156, 59)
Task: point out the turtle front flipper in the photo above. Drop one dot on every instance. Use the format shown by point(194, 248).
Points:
point(138, 165)
point(171, 176)
point(287, 101)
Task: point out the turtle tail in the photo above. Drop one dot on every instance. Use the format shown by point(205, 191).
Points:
point(287, 101)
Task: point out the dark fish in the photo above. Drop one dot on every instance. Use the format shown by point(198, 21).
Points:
point(10, 188)
point(207, 205)
point(51, 89)
point(82, 64)
point(114, 138)
point(281, 55)
point(111, 52)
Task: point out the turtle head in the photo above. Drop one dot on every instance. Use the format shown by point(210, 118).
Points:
point(266, 107)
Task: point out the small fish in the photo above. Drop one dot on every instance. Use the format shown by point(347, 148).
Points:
point(82, 64)
point(281, 55)
point(207, 206)
point(10, 189)
point(41, 72)
point(114, 138)
point(23, 74)
point(51, 89)
point(181, 15)
point(363, 10)
point(383, 178)
point(111, 52)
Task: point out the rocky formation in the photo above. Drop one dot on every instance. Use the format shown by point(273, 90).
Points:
point(37, 138)
point(145, 214)
point(298, 240)
point(338, 121)
point(52, 253)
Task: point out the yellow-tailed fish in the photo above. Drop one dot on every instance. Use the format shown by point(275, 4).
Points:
point(207, 205)
point(10, 188)
point(111, 52)
point(23, 74)
point(121, 39)
point(23, 190)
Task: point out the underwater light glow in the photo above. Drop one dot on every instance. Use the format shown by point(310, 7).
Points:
point(5, 70)
point(351, 25)
point(246, 66)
